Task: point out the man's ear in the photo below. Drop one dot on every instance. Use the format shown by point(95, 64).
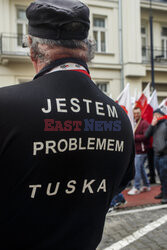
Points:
point(32, 56)
point(29, 40)
point(34, 61)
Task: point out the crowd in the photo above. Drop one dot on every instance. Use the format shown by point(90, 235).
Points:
point(151, 153)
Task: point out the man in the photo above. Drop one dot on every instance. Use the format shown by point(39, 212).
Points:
point(141, 146)
point(158, 129)
point(65, 148)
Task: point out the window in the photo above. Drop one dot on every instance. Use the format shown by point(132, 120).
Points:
point(164, 42)
point(103, 86)
point(22, 25)
point(99, 33)
point(164, 31)
point(144, 41)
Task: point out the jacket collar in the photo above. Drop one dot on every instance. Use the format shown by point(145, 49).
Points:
point(162, 118)
point(58, 62)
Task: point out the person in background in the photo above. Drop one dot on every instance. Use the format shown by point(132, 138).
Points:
point(141, 146)
point(158, 129)
point(117, 201)
point(150, 157)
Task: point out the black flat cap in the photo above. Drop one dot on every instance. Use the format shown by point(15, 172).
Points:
point(50, 19)
point(159, 111)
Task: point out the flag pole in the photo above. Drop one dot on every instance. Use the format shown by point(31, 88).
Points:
point(152, 48)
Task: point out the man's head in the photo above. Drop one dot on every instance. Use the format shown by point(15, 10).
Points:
point(158, 113)
point(51, 19)
point(57, 29)
point(137, 113)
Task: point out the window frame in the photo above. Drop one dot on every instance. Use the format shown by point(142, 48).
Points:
point(99, 30)
point(102, 84)
point(164, 40)
point(24, 24)
point(144, 36)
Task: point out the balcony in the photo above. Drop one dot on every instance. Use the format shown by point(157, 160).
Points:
point(160, 1)
point(160, 56)
point(11, 48)
point(160, 5)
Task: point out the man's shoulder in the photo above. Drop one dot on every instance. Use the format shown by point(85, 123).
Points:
point(12, 97)
point(14, 88)
point(14, 91)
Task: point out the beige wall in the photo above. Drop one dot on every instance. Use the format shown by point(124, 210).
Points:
point(110, 76)
point(13, 73)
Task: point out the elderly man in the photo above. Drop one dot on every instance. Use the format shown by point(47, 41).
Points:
point(65, 148)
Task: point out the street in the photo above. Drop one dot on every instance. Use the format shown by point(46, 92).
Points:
point(144, 227)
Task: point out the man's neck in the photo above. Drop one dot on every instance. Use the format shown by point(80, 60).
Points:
point(38, 65)
point(47, 68)
point(138, 120)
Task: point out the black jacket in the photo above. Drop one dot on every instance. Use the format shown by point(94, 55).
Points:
point(65, 150)
point(159, 133)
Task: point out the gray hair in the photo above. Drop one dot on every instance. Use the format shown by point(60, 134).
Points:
point(86, 46)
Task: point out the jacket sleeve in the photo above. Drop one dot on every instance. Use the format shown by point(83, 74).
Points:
point(163, 144)
point(141, 137)
point(149, 132)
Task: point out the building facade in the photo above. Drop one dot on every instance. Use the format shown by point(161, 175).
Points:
point(121, 29)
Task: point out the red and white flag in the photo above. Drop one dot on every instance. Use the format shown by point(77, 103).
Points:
point(150, 107)
point(135, 98)
point(124, 100)
point(163, 106)
point(143, 99)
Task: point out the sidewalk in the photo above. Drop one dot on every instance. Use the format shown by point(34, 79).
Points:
point(145, 198)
